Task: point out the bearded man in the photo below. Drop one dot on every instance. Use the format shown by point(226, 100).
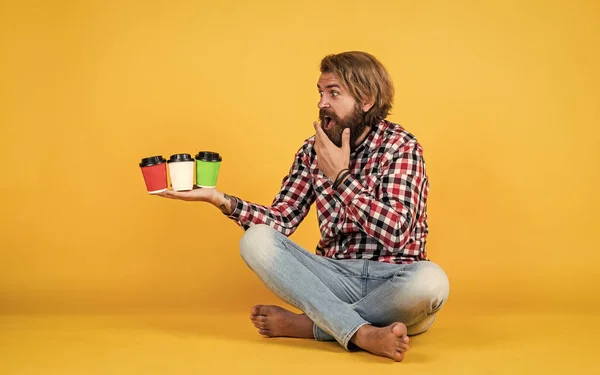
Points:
point(370, 283)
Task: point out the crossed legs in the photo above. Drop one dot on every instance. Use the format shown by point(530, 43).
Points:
point(368, 304)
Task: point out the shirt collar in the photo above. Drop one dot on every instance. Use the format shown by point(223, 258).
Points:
point(371, 141)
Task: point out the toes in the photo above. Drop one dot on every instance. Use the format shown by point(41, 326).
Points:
point(255, 310)
point(264, 332)
point(263, 310)
point(259, 321)
point(399, 357)
point(258, 318)
point(401, 345)
point(260, 310)
point(402, 340)
point(399, 329)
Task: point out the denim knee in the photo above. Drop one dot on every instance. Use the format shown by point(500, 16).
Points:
point(431, 285)
point(257, 243)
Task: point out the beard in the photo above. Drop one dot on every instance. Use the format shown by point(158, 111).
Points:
point(354, 121)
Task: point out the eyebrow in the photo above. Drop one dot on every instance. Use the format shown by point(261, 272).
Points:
point(330, 86)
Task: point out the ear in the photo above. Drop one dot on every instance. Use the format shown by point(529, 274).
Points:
point(367, 104)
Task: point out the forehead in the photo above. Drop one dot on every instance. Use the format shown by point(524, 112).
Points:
point(327, 80)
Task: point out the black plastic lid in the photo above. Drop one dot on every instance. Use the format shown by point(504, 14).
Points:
point(152, 160)
point(180, 157)
point(208, 156)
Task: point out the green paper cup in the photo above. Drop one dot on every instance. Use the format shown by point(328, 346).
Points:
point(207, 169)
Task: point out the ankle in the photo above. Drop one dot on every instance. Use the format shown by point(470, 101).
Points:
point(361, 334)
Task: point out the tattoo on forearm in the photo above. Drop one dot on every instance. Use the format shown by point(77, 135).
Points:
point(232, 202)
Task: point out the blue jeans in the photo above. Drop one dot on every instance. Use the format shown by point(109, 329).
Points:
point(340, 296)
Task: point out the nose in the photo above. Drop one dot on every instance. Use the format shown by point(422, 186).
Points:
point(323, 103)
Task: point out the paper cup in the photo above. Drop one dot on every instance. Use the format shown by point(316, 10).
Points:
point(181, 171)
point(154, 171)
point(207, 169)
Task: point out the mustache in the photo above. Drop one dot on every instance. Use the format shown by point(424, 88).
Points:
point(325, 112)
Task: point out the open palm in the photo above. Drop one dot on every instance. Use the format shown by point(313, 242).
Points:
point(197, 194)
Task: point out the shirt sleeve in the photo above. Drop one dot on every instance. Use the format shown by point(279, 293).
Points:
point(289, 207)
point(391, 216)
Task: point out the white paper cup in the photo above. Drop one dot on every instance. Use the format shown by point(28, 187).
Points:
point(181, 171)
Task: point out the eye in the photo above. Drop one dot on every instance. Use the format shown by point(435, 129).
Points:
point(335, 93)
point(321, 93)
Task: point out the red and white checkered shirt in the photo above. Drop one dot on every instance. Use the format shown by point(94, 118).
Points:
point(378, 213)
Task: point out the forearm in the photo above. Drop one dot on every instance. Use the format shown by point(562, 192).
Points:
point(223, 202)
point(288, 208)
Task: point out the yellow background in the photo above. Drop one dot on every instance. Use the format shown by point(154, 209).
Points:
point(503, 96)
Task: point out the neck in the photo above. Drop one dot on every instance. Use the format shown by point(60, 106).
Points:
point(363, 136)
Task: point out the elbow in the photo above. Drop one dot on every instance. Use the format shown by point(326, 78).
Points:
point(402, 231)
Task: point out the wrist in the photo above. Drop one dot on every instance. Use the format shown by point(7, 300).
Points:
point(224, 202)
point(341, 177)
point(338, 174)
point(216, 198)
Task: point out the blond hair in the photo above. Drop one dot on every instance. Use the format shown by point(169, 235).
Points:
point(366, 79)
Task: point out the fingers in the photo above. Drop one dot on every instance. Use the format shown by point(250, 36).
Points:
point(321, 139)
point(169, 194)
point(172, 194)
point(318, 128)
point(320, 133)
point(346, 139)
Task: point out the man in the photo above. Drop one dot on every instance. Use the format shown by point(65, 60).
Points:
point(370, 284)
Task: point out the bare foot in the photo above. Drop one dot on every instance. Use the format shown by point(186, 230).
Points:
point(275, 321)
point(390, 341)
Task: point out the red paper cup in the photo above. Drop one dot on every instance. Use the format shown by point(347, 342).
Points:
point(154, 170)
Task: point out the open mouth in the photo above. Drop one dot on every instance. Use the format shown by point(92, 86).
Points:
point(328, 123)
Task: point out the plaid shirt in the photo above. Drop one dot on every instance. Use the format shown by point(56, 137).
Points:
point(378, 213)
